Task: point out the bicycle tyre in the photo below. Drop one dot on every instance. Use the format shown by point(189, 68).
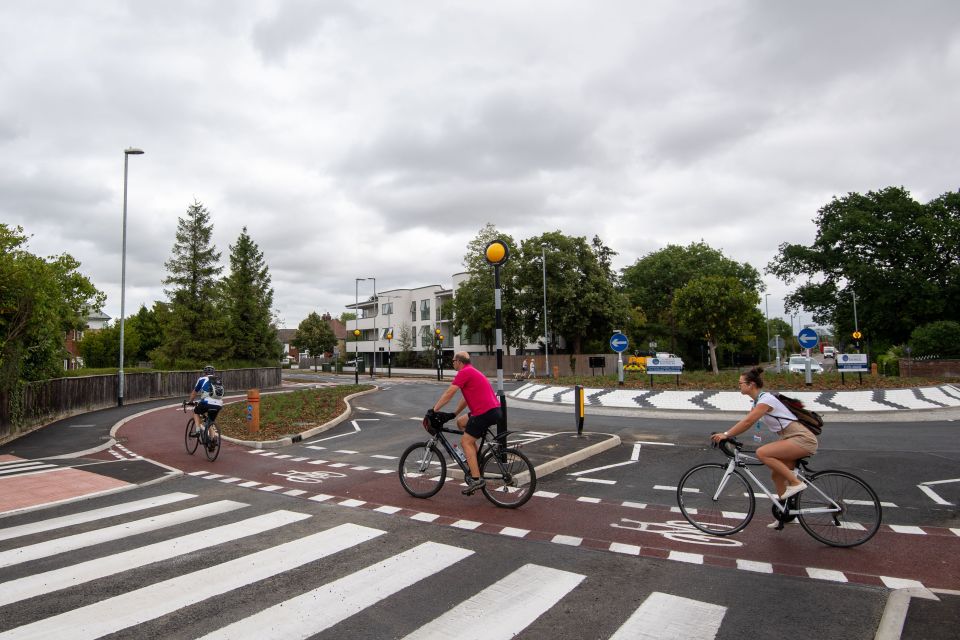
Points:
point(423, 470)
point(190, 441)
point(861, 512)
point(729, 513)
point(511, 483)
point(212, 448)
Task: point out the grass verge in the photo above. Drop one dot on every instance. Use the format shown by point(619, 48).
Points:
point(287, 414)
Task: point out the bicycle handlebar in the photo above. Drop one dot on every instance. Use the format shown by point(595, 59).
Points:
point(727, 445)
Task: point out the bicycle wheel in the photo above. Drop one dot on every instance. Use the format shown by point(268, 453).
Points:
point(423, 470)
point(511, 480)
point(190, 441)
point(213, 443)
point(859, 512)
point(712, 508)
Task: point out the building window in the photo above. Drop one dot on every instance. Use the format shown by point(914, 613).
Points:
point(425, 309)
point(426, 336)
point(388, 308)
point(413, 311)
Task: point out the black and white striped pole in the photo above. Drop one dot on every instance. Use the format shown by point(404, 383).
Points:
point(497, 253)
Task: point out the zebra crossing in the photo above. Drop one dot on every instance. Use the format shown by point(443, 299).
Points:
point(227, 564)
point(40, 561)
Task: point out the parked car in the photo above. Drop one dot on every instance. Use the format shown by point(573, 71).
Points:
point(829, 352)
point(798, 364)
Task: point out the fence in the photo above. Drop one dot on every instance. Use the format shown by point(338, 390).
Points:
point(38, 403)
point(930, 368)
point(512, 364)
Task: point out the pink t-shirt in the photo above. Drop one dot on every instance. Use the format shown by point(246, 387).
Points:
point(477, 390)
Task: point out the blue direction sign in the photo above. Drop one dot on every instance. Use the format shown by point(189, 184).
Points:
point(618, 342)
point(808, 338)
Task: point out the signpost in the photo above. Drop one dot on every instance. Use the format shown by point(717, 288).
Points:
point(777, 343)
point(852, 363)
point(619, 343)
point(808, 339)
point(665, 366)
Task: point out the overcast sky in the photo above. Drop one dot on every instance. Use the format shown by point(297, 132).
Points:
point(363, 138)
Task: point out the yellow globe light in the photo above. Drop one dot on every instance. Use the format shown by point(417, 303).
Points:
point(356, 333)
point(436, 331)
point(389, 336)
point(441, 338)
point(497, 252)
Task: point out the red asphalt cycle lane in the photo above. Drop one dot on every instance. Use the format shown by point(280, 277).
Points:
point(930, 557)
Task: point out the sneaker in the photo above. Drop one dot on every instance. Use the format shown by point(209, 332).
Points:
point(793, 490)
point(774, 524)
point(472, 485)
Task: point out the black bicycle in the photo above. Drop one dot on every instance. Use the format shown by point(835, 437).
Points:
point(192, 438)
point(509, 475)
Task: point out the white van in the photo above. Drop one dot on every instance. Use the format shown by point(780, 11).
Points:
point(829, 352)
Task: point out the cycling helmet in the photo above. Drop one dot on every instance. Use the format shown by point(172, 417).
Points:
point(209, 370)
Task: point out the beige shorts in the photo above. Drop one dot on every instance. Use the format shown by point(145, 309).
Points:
point(800, 435)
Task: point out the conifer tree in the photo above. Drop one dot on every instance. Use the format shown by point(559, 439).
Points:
point(248, 299)
point(194, 333)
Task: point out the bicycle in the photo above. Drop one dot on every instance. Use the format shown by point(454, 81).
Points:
point(510, 477)
point(192, 438)
point(717, 499)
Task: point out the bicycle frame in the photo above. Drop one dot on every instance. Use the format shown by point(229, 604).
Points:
point(744, 461)
point(482, 447)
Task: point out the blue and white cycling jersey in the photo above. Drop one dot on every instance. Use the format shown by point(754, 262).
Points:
point(205, 391)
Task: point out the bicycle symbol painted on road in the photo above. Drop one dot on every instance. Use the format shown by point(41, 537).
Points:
point(310, 477)
point(678, 530)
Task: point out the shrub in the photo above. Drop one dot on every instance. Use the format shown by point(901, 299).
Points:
point(936, 339)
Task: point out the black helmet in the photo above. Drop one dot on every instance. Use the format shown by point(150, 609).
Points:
point(209, 370)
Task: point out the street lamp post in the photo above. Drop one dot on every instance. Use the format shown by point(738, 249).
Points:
point(356, 330)
point(856, 327)
point(123, 267)
point(497, 254)
point(766, 299)
point(376, 312)
point(546, 336)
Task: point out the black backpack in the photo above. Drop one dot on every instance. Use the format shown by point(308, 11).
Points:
point(217, 385)
point(810, 419)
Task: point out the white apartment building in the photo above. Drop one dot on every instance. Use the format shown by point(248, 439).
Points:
point(422, 310)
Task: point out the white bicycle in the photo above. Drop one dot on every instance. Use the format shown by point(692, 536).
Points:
point(837, 508)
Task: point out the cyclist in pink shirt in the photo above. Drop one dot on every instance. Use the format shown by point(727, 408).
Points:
point(484, 411)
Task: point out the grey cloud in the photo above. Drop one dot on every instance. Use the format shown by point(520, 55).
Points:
point(297, 23)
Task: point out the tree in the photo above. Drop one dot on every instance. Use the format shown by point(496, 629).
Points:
point(195, 331)
point(148, 325)
point(717, 308)
point(315, 336)
point(899, 257)
point(473, 303)
point(583, 302)
point(40, 300)
point(405, 339)
point(651, 282)
point(248, 300)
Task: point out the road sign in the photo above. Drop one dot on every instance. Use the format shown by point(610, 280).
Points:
point(808, 338)
point(777, 343)
point(852, 362)
point(857, 335)
point(618, 342)
point(671, 366)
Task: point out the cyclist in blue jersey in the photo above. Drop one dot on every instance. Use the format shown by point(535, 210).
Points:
point(209, 389)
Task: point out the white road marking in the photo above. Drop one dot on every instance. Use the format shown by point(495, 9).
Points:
point(665, 616)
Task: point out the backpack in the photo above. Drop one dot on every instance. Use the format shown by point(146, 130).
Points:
point(217, 383)
point(810, 419)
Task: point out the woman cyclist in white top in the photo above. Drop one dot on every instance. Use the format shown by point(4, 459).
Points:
point(796, 441)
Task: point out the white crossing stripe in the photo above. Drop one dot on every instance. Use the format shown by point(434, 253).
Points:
point(753, 565)
point(515, 601)
point(90, 516)
point(902, 528)
point(116, 532)
point(826, 574)
point(317, 610)
point(43, 583)
point(629, 549)
point(139, 606)
point(665, 616)
point(32, 466)
point(683, 556)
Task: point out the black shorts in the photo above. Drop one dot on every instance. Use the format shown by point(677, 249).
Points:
point(477, 425)
point(203, 409)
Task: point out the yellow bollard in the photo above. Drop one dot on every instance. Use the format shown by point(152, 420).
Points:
point(253, 410)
